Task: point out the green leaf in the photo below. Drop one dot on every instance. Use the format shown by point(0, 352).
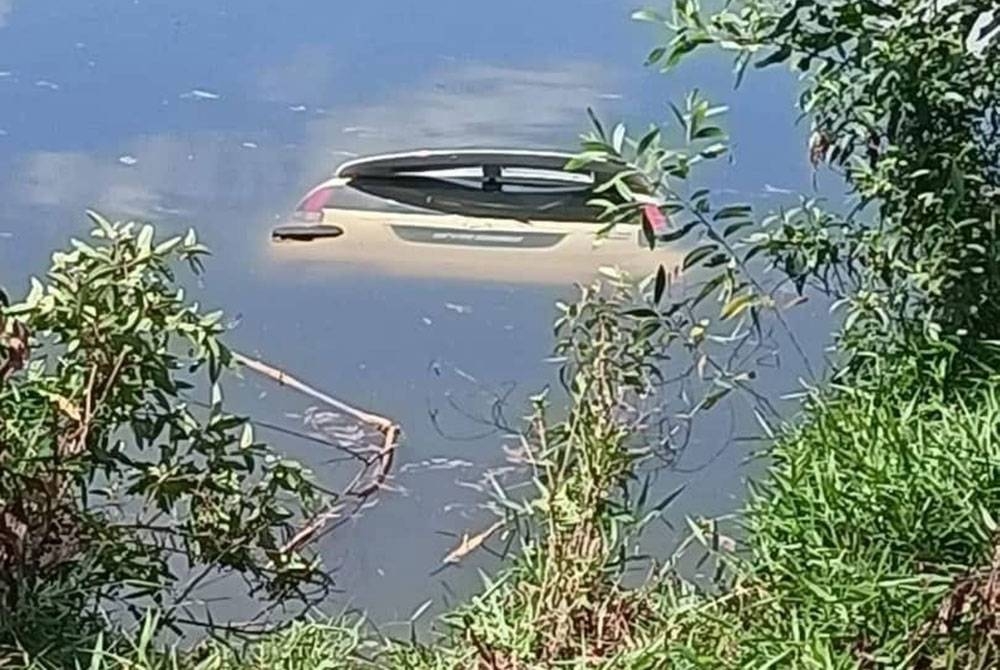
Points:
point(708, 288)
point(681, 121)
point(718, 259)
point(712, 399)
point(714, 151)
point(597, 124)
point(779, 56)
point(697, 254)
point(675, 235)
point(648, 16)
point(734, 228)
point(642, 313)
point(246, 439)
point(618, 138)
point(102, 223)
point(144, 242)
point(660, 285)
point(732, 212)
point(656, 55)
point(737, 305)
point(708, 133)
point(647, 140)
point(167, 246)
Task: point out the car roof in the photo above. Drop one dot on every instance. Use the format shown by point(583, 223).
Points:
point(386, 165)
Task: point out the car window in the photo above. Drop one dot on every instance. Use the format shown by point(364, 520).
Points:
point(524, 198)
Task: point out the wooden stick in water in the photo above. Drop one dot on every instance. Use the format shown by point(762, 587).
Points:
point(362, 487)
point(286, 379)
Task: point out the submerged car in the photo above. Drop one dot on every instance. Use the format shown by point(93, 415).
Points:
point(479, 213)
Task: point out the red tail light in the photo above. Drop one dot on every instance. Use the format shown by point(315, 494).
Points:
point(655, 219)
point(311, 207)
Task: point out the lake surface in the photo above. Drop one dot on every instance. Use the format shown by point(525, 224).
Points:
point(220, 114)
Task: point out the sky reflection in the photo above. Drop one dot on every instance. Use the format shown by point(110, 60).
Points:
point(220, 113)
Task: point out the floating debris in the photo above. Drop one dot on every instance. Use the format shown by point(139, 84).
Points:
point(249, 145)
point(458, 309)
point(297, 108)
point(470, 543)
point(610, 96)
point(465, 375)
point(201, 94)
point(44, 83)
point(427, 322)
point(437, 463)
point(128, 160)
point(172, 211)
point(342, 430)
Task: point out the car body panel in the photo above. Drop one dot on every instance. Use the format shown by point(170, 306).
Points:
point(435, 214)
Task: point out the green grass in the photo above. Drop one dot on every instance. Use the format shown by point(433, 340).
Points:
point(873, 514)
point(312, 645)
point(870, 543)
point(873, 510)
point(876, 510)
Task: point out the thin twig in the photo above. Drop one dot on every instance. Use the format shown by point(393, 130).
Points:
point(307, 532)
point(285, 379)
point(358, 488)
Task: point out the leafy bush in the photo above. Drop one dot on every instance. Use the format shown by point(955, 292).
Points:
point(116, 481)
point(907, 114)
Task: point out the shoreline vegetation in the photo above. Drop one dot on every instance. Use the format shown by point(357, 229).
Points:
point(872, 541)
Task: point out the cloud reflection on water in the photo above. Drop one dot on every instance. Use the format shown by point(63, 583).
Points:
point(463, 105)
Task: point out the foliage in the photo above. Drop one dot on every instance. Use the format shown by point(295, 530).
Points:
point(720, 343)
point(907, 114)
point(115, 481)
point(562, 599)
point(300, 645)
point(871, 544)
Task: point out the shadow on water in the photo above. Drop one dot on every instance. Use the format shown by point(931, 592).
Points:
point(219, 116)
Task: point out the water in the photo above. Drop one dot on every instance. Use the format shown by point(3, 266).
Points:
point(220, 114)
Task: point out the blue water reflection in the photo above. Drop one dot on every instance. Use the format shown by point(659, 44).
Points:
point(220, 113)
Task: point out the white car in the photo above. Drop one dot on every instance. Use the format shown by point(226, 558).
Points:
point(507, 215)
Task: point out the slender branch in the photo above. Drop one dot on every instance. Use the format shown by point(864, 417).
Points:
point(362, 485)
point(285, 379)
